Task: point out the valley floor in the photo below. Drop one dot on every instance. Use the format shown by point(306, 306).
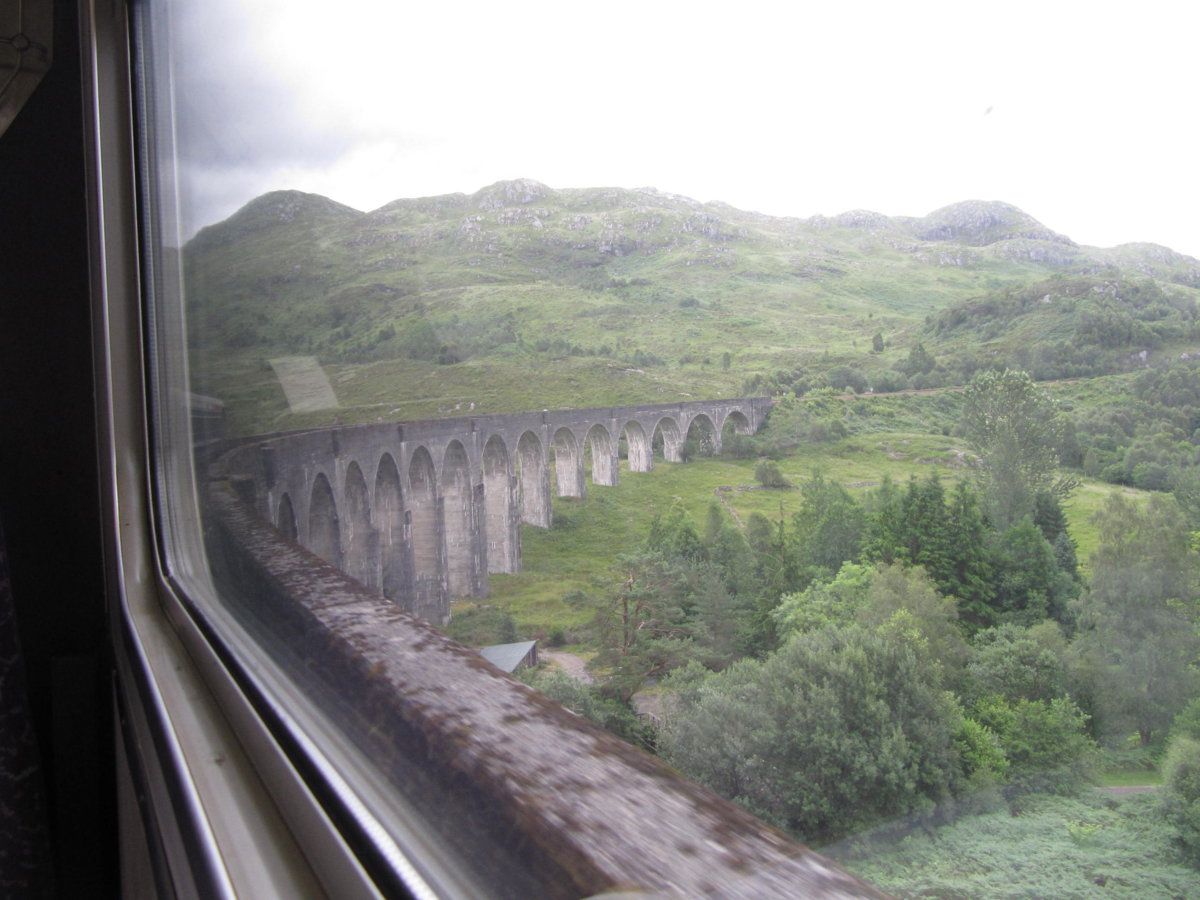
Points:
point(580, 551)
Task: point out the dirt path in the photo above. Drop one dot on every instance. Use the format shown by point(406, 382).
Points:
point(949, 388)
point(733, 514)
point(573, 666)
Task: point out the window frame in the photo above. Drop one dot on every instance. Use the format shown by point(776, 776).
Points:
point(209, 770)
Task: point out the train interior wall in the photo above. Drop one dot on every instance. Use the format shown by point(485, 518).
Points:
point(48, 473)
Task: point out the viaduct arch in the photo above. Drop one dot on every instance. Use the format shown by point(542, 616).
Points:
point(424, 511)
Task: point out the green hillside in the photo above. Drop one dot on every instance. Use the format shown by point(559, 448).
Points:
point(520, 296)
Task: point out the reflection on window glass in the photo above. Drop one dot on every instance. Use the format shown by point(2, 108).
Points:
point(664, 358)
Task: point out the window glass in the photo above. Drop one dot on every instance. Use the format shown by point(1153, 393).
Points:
point(807, 401)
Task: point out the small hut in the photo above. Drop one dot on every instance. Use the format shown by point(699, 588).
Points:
point(511, 657)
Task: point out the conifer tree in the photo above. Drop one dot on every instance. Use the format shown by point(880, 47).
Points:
point(884, 536)
point(926, 528)
point(970, 577)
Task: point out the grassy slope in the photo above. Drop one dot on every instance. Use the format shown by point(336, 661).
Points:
point(373, 296)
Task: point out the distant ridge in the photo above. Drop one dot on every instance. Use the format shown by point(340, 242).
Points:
point(972, 223)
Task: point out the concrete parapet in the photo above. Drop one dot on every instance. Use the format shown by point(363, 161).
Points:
point(547, 803)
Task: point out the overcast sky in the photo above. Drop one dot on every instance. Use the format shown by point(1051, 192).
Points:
point(1085, 115)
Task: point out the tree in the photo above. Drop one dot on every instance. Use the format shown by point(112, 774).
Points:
point(1048, 515)
point(926, 536)
point(1138, 642)
point(970, 578)
point(824, 602)
point(644, 629)
point(1029, 583)
point(587, 701)
point(877, 342)
point(714, 524)
point(1015, 427)
point(1186, 487)
point(674, 535)
point(908, 598)
point(1018, 663)
point(719, 618)
point(837, 730)
point(920, 361)
point(917, 527)
point(828, 529)
point(883, 538)
point(731, 591)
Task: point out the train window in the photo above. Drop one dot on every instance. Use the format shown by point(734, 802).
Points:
point(565, 540)
point(324, 547)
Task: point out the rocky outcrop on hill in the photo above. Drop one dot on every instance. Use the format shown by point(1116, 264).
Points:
point(979, 223)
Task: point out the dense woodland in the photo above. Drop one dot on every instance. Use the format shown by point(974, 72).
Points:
point(929, 650)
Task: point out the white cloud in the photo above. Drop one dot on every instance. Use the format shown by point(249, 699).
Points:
point(783, 108)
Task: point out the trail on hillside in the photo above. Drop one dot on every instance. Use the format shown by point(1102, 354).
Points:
point(721, 491)
point(571, 665)
point(946, 389)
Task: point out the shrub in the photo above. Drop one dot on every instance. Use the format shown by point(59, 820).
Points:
point(738, 446)
point(983, 761)
point(887, 382)
point(846, 378)
point(768, 475)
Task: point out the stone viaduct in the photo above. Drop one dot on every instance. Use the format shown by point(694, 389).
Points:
point(423, 511)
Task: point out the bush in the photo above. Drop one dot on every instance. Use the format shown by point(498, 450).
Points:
point(1045, 742)
point(983, 760)
point(888, 382)
point(1181, 794)
point(845, 378)
point(768, 475)
point(1018, 663)
point(586, 701)
point(838, 730)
